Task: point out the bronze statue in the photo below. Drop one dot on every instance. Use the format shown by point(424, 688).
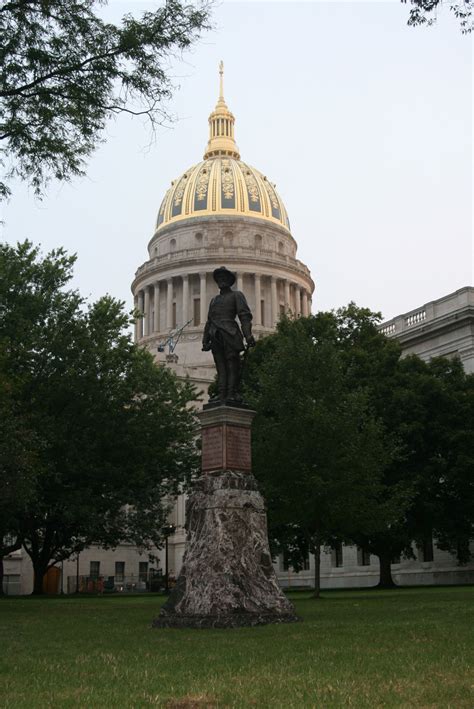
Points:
point(223, 336)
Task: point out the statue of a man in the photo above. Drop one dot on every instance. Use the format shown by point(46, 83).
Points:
point(223, 336)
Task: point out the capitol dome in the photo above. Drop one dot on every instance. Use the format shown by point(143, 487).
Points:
point(223, 185)
point(220, 212)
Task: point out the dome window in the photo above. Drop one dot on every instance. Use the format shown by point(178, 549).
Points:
point(173, 245)
point(198, 237)
point(280, 246)
point(258, 241)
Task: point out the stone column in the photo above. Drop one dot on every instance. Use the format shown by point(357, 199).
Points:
point(140, 308)
point(287, 295)
point(156, 306)
point(273, 286)
point(185, 298)
point(257, 316)
point(169, 305)
point(146, 319)
point(305, 302)
point(297, 301)
point(203, 296)
point(240, 281)
point(137, 322)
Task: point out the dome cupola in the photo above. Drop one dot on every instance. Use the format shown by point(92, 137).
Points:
point(221, 126)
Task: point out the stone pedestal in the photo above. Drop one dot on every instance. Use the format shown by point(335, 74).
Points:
point(227, 578)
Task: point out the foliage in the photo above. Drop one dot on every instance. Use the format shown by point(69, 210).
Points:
point(421, 414)
point(114, 435)
point(424, 12)
point(65, 72)
point(318, 449)
point(354, 649)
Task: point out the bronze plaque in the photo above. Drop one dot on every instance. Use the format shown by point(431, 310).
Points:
point(212, 448)
point(238, 448)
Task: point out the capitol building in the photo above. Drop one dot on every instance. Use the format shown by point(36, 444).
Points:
point(223, 212)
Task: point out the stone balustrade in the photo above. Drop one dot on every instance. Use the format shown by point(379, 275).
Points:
point(435, 310)
point(205, 253)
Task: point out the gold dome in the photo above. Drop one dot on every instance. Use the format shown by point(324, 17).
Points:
point(222, 183)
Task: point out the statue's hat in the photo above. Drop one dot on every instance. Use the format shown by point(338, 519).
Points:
point(223, 271)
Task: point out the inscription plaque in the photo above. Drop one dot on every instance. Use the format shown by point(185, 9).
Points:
point(238, 452)
point(212, 448)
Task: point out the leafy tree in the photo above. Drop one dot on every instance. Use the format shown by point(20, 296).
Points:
point(113, 437)
point(424, 12)
point(318, 450)
point(309, 383)
point(65, 72)
point(18, 469)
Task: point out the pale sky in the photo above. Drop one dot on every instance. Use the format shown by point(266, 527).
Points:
point(364, 124)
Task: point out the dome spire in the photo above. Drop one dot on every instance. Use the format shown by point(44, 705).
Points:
point(221, 81)
point(221, 126)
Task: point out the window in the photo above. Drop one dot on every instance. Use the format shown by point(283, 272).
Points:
point(336, 555)
point(284, 561)
point(119, 570)
point(425, 549)
point(172, 244)
point(282, 309)
point(143, 570)
point(198, 238)
point(262, 311)
point(363, 557)
point(258, 241)
point(197, 311)
point(174, 315)
point(94, 569)
point(280, 246)
point(306, 563)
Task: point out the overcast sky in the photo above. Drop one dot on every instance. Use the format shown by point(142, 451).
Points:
point(363, 123)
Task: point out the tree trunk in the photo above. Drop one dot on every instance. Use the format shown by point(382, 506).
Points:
point(386, 580)
point(39, 572)
point(317, 571)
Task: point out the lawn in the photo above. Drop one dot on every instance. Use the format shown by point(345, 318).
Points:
point(402, 648)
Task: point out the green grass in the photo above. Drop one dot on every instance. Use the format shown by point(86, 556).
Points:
point(402, 648)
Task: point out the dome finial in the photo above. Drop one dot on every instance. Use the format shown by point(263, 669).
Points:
point(221, 126)
point(221, 80)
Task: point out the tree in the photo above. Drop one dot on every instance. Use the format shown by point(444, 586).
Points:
point(18, 470)
point(309, 383)
point(65, 72)
point(424, 409)
point(317, 448)
point(424, 12)
point(113, 437)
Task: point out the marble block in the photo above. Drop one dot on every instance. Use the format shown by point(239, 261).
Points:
point(227, 578)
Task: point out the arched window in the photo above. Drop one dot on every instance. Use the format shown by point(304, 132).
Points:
point(280, 247)
point(258, 241)
point(198, 238)
point(228, 239)
point(173, 245)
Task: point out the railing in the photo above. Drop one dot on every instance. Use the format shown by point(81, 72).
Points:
point(205, 253)
point(388, 329)
point(415, 318)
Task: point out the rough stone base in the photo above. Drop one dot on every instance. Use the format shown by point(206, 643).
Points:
point(227, 578)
